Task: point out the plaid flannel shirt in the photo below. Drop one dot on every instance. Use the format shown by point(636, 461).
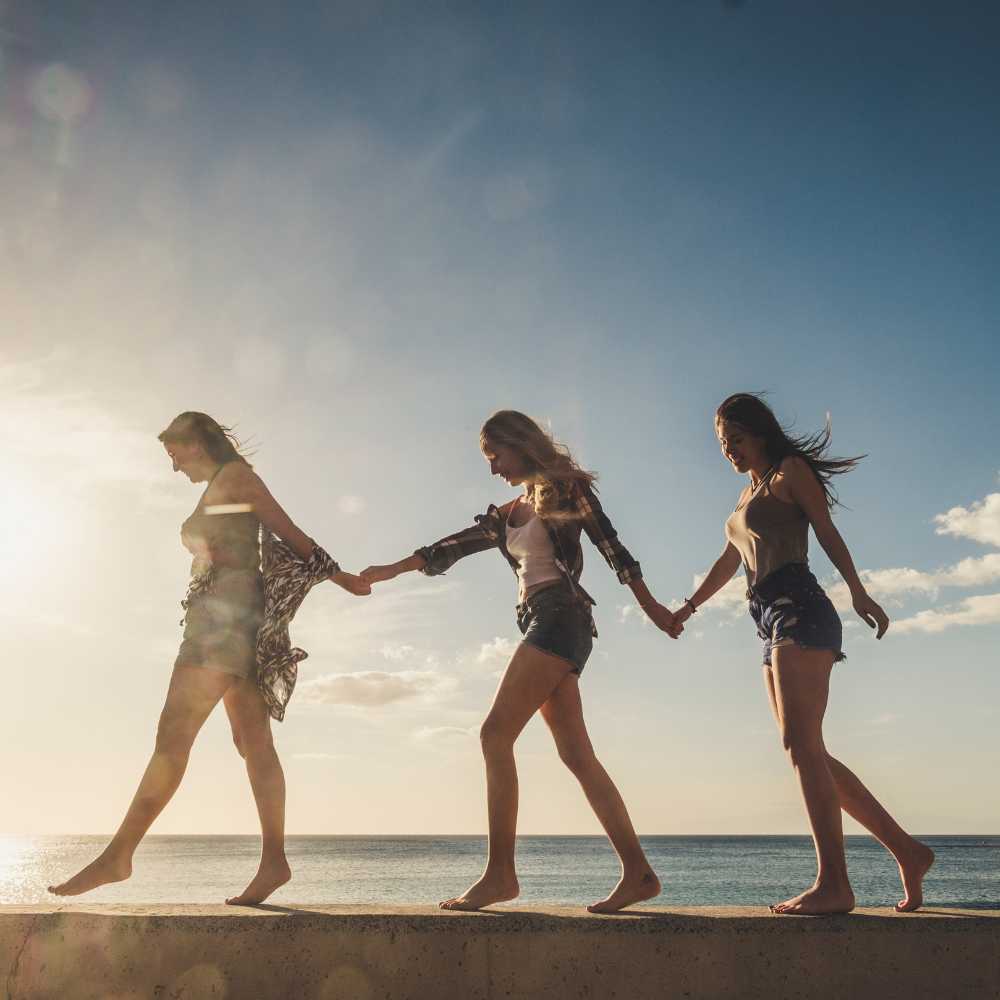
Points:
point(490, 532)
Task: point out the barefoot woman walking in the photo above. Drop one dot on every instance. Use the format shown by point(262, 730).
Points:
point(539, 535)
point(217, 658)
point(789, 490)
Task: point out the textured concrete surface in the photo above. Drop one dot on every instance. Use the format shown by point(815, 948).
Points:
point(390, 953)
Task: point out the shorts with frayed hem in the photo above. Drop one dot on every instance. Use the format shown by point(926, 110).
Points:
point(789, 607)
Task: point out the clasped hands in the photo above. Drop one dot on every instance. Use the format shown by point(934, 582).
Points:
point(671, 622)
point(360, 584)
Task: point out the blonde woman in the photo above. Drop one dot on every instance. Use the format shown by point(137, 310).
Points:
point(539, 535)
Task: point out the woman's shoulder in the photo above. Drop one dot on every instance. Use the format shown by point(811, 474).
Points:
point(793, 465)
point(234, 482)
point(792, 469)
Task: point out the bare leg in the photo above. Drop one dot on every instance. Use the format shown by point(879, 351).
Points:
point(913, 858)
point(192, 695)
point(530, 678)
point(564, 714)
point(251, 725)
point(801, 687)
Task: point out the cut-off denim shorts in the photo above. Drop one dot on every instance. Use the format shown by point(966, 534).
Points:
point(557, 621)
point(789, 607)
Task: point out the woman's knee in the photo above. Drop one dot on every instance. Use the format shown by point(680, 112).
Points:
point(577, 756)
point(578, 761)
point(802, 744)
point(495, 735)
point(254, 743)
point(174, 735)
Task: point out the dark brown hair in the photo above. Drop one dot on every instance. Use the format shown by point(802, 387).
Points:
point(749, 411)
point(219, 442)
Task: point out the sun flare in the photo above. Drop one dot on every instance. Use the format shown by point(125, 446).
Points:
point(35, 523)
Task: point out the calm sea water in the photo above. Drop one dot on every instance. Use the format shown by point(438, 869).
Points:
point(696, 871)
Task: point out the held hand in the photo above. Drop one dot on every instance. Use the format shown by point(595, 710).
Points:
point(378, 574)
point(352, 584)
point(682, 614)
point(663, 619)
point(871, 613)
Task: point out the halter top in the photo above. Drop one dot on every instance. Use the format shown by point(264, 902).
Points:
point(769, 533)
point(219, 538)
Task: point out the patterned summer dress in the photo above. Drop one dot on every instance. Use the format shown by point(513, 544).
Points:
point(246, 585)
point(224, 606)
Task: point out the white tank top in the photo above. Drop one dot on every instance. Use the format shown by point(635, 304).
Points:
point(531, 546)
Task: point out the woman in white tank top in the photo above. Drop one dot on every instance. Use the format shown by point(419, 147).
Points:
point(539, 535)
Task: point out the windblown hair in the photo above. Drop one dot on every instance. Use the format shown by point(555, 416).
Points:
point(749, 411)
point(551, 465)
point(219, 442)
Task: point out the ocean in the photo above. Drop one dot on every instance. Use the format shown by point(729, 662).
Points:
point(419, 870)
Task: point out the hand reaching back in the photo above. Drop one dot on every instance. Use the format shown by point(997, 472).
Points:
point(352, 584)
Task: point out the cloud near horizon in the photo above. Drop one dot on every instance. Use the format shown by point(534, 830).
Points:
point(374, 688)
point(980, 521)
point(500, 650)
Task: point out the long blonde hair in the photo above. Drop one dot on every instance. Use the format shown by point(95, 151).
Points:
point(548, 462)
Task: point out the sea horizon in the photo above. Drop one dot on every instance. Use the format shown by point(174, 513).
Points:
point(417, 869)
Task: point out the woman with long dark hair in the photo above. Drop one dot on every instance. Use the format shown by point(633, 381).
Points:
point(539, 535)
point(218, 653)
point(789, 488)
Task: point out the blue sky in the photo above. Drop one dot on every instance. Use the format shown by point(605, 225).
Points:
point(354, 230)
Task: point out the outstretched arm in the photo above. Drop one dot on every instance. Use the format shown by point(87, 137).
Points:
point(602, 533)
point(718, 576)
point(378, 574)
point(442, 555)
point(808, 494)
point(242, 485)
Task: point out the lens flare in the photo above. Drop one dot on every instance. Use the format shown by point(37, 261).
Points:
point(60, 94)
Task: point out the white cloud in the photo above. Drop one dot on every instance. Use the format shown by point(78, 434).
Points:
point(372, 688)
point(398, 653)
point(731, 597)
point(444, 734)
point(980, 522)
point(499, 650)
point(900, 581)
point(980, 610)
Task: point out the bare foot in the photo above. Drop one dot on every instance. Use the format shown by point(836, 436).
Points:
point(912, 870)
point(101, 871)
point(489, 889)
point(269, 877)
point(629, 890)
point(817, 900)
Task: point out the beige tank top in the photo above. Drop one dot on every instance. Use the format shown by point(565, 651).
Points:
point(769, 533)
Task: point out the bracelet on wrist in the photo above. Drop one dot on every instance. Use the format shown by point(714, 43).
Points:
point(688, 603)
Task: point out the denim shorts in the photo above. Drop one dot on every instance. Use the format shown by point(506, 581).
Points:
point(557, 621)
point(790, 608)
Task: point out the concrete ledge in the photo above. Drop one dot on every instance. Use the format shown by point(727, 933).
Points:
point(391, 953)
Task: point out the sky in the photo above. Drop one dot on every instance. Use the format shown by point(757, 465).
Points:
point(353, 230)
